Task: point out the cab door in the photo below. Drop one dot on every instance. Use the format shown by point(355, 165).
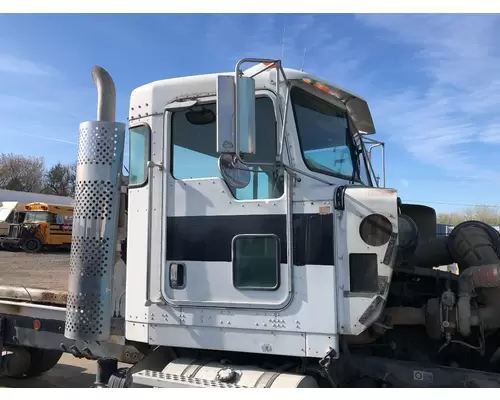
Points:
point(224, 246)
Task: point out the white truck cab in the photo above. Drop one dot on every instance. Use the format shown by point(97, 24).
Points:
point(241, 253)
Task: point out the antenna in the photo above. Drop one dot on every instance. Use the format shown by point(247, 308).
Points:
point(303, 58)
point(283, 43)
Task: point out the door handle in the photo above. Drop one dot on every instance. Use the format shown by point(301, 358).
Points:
point(177, 276)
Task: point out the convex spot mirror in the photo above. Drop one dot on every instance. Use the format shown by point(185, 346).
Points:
point(235, 173)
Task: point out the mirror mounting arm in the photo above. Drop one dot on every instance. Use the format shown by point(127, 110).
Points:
point(152, 164)
point(296, 172)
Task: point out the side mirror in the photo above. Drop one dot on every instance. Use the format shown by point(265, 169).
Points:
point(235, 115)
point(245, 114)
point(225, 93)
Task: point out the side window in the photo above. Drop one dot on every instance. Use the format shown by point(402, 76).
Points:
point(194, 154)
point(138, 154)
point(53, 218)
point(256, 262)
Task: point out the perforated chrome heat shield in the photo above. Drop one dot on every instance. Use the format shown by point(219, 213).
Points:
point(95, 222)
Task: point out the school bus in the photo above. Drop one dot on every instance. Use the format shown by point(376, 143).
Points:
point(45, 225)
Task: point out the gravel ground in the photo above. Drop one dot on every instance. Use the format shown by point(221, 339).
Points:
point(70, 372)
point(41, 271)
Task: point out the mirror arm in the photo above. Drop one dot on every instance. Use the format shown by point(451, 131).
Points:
point(264, 70)
point(296, 171)
point(254, 60)
point(377, 144)
point(383, 164)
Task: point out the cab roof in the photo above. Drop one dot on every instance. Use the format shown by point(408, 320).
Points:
point(153, 97)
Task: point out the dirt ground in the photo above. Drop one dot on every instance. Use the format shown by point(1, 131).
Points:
point(70, 372)
point(40, 271)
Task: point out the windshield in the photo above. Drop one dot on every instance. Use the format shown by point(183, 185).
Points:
point(4, 213)
point(326, 141)
point(37, 216)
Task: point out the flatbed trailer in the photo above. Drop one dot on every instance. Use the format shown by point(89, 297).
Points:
point(33, 299)
point(32, 325)
point(32, 288)
point(33, 295)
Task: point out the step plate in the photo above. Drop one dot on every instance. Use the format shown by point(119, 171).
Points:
point(163, 380)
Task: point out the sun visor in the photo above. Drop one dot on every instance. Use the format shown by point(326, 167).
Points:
point(356, 106)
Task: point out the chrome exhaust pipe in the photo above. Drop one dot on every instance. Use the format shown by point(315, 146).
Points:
point(106, 94)
point(90, 306)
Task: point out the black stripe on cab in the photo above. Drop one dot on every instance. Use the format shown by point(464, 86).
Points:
point(208, 238)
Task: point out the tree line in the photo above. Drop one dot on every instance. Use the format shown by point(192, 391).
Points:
point(29, 174)
point(490, 215)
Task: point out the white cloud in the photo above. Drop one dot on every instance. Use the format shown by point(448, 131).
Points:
point(12, 64)
point(455, 62)
point(233, 37)
point(51, 139)
point(9, 102)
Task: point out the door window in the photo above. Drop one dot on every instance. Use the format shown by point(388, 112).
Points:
point(194, 151)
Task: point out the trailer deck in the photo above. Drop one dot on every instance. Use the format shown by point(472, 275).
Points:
point(33, 294)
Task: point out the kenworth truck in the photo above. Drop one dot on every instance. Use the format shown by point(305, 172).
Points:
point(254, 247)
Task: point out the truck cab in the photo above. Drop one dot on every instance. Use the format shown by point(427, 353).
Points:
point(242, 190)
point(242, 229)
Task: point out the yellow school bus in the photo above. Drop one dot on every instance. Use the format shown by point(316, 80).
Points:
point(45, 226)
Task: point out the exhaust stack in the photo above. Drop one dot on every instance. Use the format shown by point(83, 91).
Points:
point(95, 218)
point(106, 94)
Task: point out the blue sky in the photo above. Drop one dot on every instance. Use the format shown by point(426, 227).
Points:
point(432, 81)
